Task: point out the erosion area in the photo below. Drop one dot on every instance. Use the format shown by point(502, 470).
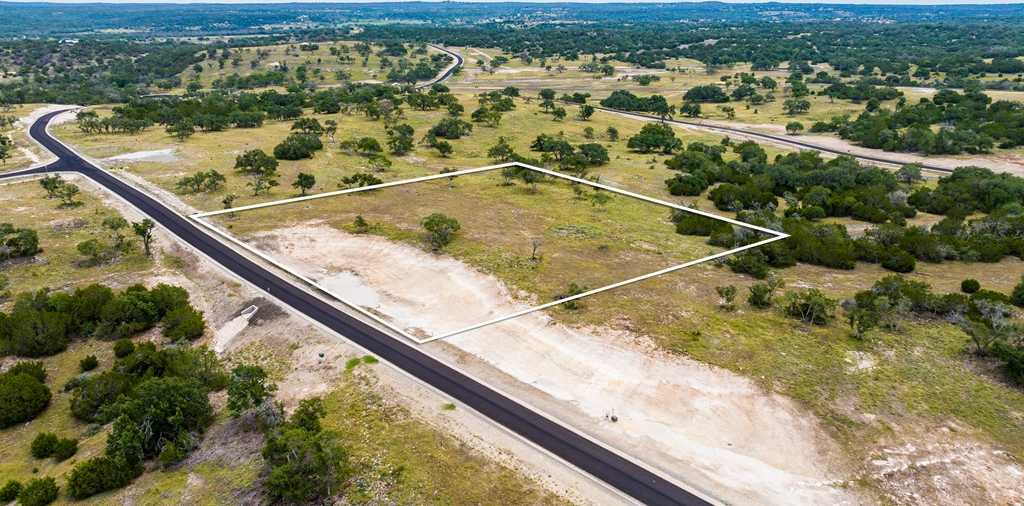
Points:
point(702, 425)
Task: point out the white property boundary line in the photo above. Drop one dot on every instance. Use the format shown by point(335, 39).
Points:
point(201, 218)
point(700, 492)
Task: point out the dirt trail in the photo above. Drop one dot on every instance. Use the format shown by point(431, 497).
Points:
point(702, 425)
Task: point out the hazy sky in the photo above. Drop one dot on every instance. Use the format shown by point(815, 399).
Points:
point(874, 2)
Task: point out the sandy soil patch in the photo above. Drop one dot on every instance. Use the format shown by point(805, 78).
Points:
point(702, 425)
point(943, 467)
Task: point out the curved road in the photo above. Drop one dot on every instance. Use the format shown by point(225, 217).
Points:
point(448, 72)
point(789, 141)
point(773, 138)
point(592, 458)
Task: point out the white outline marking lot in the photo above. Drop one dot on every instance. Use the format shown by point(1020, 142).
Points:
point(201, 218)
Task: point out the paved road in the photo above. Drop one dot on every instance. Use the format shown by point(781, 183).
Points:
point(607, 466)
point(788, 140)
point(443, 76)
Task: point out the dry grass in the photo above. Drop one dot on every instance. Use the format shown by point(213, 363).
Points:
point(60, 230)
point(921, 377)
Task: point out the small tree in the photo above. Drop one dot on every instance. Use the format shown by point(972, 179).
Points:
point(10, 491)
point(229, 200)
point(443, 148)
point(1018, 294)
point(970, 286)
point(52, 185)
point(811, 306)
point(502, 151)
point(304, 182)
point(558, 113)
point(727, 294)
point(38, 492)
point(116, 224)
point(612, 133)
point(262, 183)
point(761, 294)
point(6, 148)
point(794, 127)
point(144, 229)
point(182, 129)
point(248, 388)
point(585, 112)
point(690, 110)
point(909, 174)
point(67, 193)
point(330, 128)
point(441, 230)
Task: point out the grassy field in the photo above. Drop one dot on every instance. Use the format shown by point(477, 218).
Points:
point(381, 438)
point(322, 67)
point(411, 462)
point(60, 230)
point(645, 173)
point(24, 148)
point(612, 242)
point(922, 375)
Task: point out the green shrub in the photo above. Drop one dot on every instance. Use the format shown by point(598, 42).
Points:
point(695, 224)
point(23, 397)
point(88, 363)
point(1018, 294)
point(899, 261)
point(170, 408)
point(10, 491)
point(297, 146)
point(43, 445)
point(65, 449)
point(752, 263)
point(34, 369)
point(38, 492)
point(305, 463)
point(970, 286)
point(184, 323)
point(97, 392)
point(31, 332)
point(167, 298)
point(123, 348)
point(811, 306)
point(248, 387)
point(100, 474)
point(761, 293)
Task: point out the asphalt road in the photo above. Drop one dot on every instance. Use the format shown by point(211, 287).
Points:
point(774, 138)
point(442, 77)
point(594, 459)
point(787, 140)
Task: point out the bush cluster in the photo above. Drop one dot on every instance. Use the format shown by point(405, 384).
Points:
point(23, 393)
point(43, 323)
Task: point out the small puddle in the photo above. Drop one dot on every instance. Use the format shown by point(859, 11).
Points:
point(351, 287)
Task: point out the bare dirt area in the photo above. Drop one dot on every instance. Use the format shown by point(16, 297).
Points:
point(306, 361)
point(702, 425)
point(943, 467)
